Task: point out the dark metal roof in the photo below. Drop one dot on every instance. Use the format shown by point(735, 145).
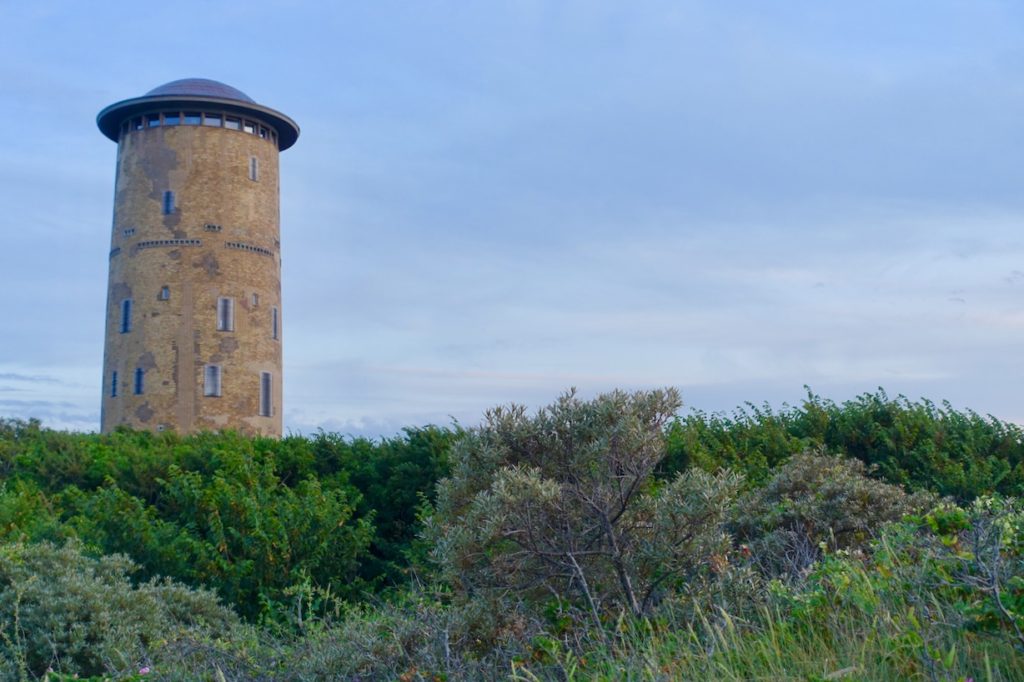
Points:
point(197, 93)
point(203, 87)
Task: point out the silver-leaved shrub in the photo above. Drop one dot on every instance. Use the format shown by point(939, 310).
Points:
point(65, 611)
point(564, 505)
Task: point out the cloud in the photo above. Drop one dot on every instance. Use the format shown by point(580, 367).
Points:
point(35, 379)
point(490, 203)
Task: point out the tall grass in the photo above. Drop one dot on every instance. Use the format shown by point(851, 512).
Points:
point(936, 596)
point(862, 631)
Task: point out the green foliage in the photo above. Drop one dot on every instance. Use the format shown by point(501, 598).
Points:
point(75, 615)
point(972, 558)
point(915, 444)
point(239, 531)
point(395, 477)
point(920, 603)
point(248, 517)
point(26, 512)
point(568, 547)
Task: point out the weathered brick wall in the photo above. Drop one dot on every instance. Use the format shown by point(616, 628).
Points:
point(172, 340)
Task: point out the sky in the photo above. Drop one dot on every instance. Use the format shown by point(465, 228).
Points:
point(492, 202)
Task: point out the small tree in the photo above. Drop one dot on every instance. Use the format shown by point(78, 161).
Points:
point(564, 503)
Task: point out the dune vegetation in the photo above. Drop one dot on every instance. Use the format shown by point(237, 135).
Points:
point(614, 538)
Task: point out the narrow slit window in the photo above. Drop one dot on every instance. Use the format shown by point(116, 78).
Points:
point(211, 381)
point(139, 377)
point(165, 293)
point(225, 314)
point(273, 323)
point(266, 405)
point(168, 202)
point(254, 168)
point(126, 315)
point(113, 384)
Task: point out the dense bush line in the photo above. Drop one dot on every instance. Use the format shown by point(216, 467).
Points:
point(875, 539)
point(915, 605)
point(250, 518)
point(912, 443)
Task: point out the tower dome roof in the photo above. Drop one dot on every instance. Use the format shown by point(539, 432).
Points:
point(198, 94)
point(201, 87)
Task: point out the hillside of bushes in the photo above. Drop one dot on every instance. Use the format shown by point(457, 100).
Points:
point(615, 538)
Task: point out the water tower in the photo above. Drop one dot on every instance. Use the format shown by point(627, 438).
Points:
point(193, 331)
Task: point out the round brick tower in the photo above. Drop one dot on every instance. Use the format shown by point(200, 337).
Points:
point(193, 333)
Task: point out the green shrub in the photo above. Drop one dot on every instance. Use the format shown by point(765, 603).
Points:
point(247, 517)
point(27, 513)
point(913, 443)
point(239, 532)
point(972, 558)
point(395, 477)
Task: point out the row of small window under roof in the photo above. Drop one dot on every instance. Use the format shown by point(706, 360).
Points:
point(199, 118)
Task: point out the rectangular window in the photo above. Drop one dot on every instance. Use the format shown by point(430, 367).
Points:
point(249, 127)
point(225, 314)
point(193, 118)
point(232, 123)
point(168, 202)
point(126, 315)
point(137, 123)
point(254, 168)
point(139, 375)
point(113, 384)
point(255, 300)
point(165, 293)
point(273, 323)
point(211, 381)
point(172, 119)
point(212, 120)
point(265, 401)
point(153, 120)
